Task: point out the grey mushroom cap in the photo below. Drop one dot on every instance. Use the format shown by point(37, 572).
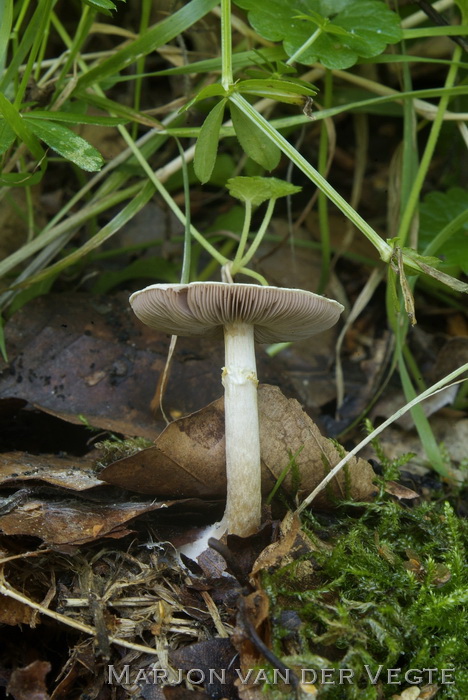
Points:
point(204, 308)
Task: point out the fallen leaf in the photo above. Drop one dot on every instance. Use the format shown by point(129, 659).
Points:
point(76, 474)
point(65, 522)
point(13, 612)
point(400, 491)
point(28, 683)
point(188, 458)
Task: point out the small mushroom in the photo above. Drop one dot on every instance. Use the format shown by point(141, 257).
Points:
point(245, 313)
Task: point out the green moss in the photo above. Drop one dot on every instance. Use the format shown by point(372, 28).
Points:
point(390, 593)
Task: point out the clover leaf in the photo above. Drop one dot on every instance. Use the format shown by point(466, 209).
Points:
point(256, 189)
point(333, 32)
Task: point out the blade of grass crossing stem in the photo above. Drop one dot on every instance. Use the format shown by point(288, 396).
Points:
point(156, 36)
point(6, 15)
point(449, 380)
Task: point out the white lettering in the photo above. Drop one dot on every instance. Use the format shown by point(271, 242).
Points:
point(304, 678)
point(284, 677)
point(113, 677)
point(346, 673)
point(325, 675)
point(414, 680)
point(373, 679)
point(195, 680)
point(431, 672)
point(213, 675)
point(391, 674)
point(244, 679)
point(261, 677)
point(141, 676)
point(445, 674)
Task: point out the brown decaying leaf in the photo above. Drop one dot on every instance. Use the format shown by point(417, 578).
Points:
point(76, 474)
point(68, 523)
point(188, 458)
point(13, 612)
point(399, 491)
point(29, 683)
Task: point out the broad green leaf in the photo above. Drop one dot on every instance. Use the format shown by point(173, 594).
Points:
point(258, 189)
point(436, 212)
point(68, 144)
point(206, 148)
point(161, 33)
point(254, 141)
point(368, 25)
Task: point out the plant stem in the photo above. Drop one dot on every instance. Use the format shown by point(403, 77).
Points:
point(260, 234)
point(244, 236)
point(226, 44)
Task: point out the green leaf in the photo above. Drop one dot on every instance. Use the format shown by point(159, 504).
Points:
point(6, 14)
point(68, 144)
point(368, 25)
point(291, 92)
point(436, 212)
point(76, 118)
point(16, 122)
point(253, 140)
point(258, 189)
point(463, 6)
point(105, 6)
point(215, 90)
point(206, 148)
point(7, 136)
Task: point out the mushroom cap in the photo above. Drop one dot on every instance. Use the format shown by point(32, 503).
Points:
point(204, 308)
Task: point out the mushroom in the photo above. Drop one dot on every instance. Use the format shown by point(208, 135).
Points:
point(245, 313)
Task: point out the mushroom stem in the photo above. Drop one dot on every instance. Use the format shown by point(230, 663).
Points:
point(244, 499)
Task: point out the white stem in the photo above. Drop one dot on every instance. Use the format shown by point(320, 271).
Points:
point(244, 500)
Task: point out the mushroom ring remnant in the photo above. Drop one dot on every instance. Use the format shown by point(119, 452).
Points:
point(245, 313)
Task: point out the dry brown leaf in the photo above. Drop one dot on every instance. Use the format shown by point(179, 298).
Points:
point(188, 458)
point(29, 683)
point(292, 543)
point(59, 523)
point(400, 491)
point(75, 473)
point(13, 612)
